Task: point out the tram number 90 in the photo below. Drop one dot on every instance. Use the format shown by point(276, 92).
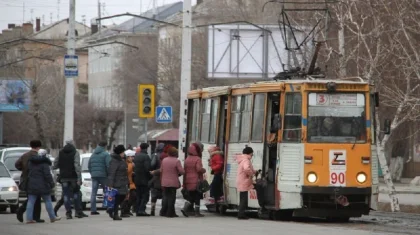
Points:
point(338, 178)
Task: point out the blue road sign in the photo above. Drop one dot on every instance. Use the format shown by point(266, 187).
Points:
point(71, 68)
point(163, 114)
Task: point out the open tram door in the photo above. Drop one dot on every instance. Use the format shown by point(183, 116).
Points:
point(266, 189)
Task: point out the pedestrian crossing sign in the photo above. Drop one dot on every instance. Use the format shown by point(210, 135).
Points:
point(163, 114)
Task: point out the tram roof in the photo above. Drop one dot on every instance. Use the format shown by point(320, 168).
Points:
point(300, 81)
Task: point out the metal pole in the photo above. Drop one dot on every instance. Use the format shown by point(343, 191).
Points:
point(145, 130)
point(99, 15)
point(185, 72)
point(1, 128)
point(69, 103)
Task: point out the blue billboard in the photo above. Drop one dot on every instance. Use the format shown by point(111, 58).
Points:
point(15, 95)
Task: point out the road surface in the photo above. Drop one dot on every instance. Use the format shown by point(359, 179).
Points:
point(211, 224)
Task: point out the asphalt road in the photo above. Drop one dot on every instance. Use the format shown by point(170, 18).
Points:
point(210, 224)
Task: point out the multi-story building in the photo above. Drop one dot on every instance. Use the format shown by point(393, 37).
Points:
point(120, 58)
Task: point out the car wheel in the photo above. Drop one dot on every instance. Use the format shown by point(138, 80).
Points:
point(13, 209)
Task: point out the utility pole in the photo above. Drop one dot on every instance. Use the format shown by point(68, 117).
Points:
point(154, 9)
point(71, 50)
point(141, 7)
point(185, 71)
point(99, 16)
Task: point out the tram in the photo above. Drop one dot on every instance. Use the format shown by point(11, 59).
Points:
point(313, 141)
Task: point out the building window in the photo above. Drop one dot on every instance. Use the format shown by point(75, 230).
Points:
point(293, 118)
point(258, 116)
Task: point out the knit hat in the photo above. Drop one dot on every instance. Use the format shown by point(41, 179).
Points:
point(173, 152)
point(130, 153)
point(70, 141)
point(247, 150)
point(144, 146)
point(200, 145)
point(213, 148)
point(119, 149)
point(42, 152)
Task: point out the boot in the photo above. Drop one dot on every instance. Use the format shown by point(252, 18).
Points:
point(80, 215)
point(197, 212)
point(152, 211)
point(68, 215)
point(116, 217)
point(20, 212)
point(186, 210)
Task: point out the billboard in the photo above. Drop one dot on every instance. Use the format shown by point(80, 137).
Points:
point(14, 95)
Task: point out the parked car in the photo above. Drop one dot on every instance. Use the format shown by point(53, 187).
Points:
point(9, 156)
point(9, 191)
point(86, 187)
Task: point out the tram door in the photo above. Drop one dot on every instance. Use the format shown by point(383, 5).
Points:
point(273, 125)
point(222, 122)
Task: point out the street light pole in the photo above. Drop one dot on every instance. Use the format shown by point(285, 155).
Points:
point(185, 71)
point(69, 103)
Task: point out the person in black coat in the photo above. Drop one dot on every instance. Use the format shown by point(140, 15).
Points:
point(117, 178)
point(142, 167)
point(40, 184)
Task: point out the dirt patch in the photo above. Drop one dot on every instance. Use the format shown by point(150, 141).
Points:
point(403, 208)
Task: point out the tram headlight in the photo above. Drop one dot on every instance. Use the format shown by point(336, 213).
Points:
point(361, 177)
point(312, 177)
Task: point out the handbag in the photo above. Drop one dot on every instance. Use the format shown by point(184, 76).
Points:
point(110, 197)
point(203, 186)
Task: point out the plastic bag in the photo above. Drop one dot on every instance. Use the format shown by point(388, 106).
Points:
point(109, 197)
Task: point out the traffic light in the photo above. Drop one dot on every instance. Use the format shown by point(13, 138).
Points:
point(146, 93)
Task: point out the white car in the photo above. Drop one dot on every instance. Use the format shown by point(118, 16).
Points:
point(9, 192)
point(86, 187)
point(9, 156)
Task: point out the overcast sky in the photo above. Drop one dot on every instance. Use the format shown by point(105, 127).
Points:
point(12, 11)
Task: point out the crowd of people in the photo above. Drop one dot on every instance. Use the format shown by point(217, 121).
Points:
point(133, 175)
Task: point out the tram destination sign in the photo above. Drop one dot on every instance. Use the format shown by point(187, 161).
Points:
point(323, 99)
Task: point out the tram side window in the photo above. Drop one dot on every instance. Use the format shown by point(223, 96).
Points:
point(293, 118)
point(258, 118)
point(235, 123)
point(246, 118)
point(205, 120)
point(208, 120)
point(213, 121)
point(195, 118)
point(240, 118)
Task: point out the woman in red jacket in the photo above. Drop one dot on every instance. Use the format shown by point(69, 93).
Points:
point(193, 173)
point(217, 166)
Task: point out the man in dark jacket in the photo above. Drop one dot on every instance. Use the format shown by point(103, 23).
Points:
point(68, 161)
point(142, 169)
point(98, 168)
point(154, 184)
point(22, 165)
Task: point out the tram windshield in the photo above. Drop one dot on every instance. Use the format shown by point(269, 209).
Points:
point(336, 118)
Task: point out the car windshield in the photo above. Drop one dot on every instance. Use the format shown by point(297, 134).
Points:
point(85, 162)
point(336, 118)
point(11, 156)
point(3, 171)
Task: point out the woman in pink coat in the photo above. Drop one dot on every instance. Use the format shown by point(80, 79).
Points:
point(193, 173)
point(244, 181)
